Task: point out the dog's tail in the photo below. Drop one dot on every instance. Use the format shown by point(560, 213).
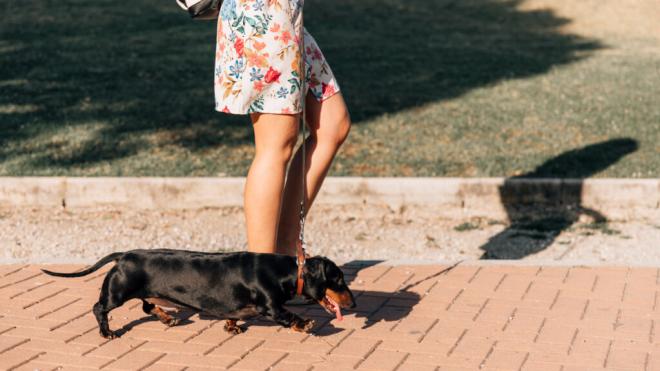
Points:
point(112, 257)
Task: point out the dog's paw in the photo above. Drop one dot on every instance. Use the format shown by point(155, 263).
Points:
point(305, 325)
point(108, 334)
point(172, 322)
point(233, 328)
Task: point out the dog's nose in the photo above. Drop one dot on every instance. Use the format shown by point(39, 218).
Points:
point(353, 303)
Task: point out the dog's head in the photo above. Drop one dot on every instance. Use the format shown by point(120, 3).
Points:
point(324, 282)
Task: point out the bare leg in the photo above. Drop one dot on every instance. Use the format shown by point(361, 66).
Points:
point(329, 124)
point(275, 137)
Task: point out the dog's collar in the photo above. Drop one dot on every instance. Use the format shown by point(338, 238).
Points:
point(300, 261)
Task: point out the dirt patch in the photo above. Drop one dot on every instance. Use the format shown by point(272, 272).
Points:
point(364, 232)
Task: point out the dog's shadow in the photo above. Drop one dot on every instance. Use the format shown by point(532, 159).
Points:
point(183, 317)
point(386, 308)
point(373, 307)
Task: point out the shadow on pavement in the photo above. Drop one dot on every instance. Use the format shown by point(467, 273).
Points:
point(380, 306)
point(538, 213)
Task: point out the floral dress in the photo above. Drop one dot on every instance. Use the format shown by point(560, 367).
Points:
point(257, 60)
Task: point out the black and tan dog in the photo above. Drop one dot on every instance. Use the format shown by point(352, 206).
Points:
point(232, 286)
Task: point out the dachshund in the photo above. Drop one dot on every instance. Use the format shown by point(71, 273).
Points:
point(230, 286)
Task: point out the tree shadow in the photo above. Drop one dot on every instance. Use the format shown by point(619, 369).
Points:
point(141, 76)
point(395, 55)
point(540, 211)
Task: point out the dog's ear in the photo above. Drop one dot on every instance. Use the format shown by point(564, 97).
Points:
point(314, 276)
point(315, 268)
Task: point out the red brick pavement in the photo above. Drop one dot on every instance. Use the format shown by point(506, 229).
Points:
point(408, 318)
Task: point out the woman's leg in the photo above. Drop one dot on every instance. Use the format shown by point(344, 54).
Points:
point(329, 124)
point(275, 138)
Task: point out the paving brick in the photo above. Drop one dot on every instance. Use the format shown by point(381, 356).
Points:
point(336, 362)
point(36, 333)
point(541, 366)
point(554, 332)
point(179, 348)
point(445, 332)
point(485, 281)
point(160, 366)
point(319, 347)
point(88, 338)
point(57, 347)
point(78, 325)
point(355, 347)
point(135, 360)
point(426, 346)
point(41, 366)
point(195, 361)
point(260, 359)
point(588, 350)
point(303, 360)
point(66, 360)
point(382, 360)
point(7, 343)
point(236, 347)
point(17, 356)
point(411, 366)
point(116, 348)
point(626, 359)
point(44, 324)
point(213, 336)
point(152, 334)
point(505, 359)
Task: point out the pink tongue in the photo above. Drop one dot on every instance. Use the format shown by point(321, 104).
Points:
point(338, 314)
point(337, 310)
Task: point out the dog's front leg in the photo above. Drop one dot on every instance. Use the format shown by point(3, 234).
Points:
point(290, 320)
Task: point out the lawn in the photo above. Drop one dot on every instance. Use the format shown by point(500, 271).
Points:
point(435, 88)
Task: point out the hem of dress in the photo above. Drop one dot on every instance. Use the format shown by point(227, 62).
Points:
point(275, 113)
point(325, 98)
point(255, 111)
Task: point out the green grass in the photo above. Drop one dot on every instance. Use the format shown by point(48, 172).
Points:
point(435, 88)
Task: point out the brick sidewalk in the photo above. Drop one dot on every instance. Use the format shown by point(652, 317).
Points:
point(469, 318)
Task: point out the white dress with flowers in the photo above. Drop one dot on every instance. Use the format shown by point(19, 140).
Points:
point(257, 61)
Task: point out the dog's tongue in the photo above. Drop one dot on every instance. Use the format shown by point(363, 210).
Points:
point(337, 310)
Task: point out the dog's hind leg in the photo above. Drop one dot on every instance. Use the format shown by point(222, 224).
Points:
point(157, 311)
point(101, 313)
point(114, 293)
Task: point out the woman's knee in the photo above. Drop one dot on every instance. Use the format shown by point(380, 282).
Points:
point(278, 151)
point(276, 137)
point(336, 133)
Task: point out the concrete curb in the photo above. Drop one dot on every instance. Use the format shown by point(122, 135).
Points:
point(619, 199)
